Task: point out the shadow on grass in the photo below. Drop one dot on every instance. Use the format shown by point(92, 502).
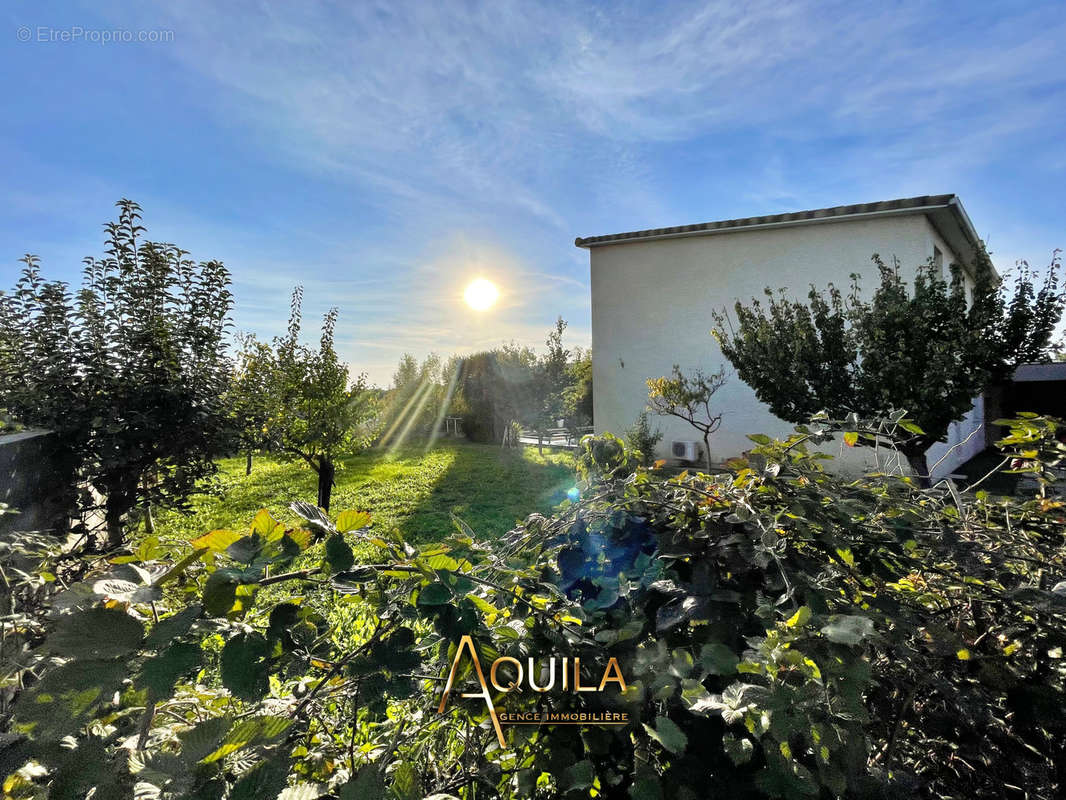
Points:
point(490, 489)
point(414, 491)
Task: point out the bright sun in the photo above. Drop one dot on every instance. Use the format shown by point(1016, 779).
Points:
point(481, 294)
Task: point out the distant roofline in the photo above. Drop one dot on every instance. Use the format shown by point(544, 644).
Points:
point(925, 204)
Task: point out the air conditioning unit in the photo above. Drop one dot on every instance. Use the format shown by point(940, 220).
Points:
point(685, 451)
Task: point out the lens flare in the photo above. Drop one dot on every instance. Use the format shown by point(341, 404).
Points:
point(481, 294)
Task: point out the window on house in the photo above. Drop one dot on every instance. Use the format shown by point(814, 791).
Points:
point(938, 261)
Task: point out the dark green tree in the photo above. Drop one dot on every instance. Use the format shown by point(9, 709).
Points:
point(643, 438)
point(578, 394)
point(129, 372)
point(497, 390)
point(926, 348)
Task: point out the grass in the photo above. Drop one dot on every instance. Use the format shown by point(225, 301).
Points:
point(488, 488)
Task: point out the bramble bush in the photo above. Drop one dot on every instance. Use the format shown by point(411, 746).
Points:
point(784, 632)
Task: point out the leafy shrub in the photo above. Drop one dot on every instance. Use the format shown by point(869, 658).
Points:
point(784, 632)
point(128, 372)
point(642, 439)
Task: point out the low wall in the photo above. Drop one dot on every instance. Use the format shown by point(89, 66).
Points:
point(31, 482)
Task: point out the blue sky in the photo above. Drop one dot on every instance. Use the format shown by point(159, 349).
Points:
point(383, 154)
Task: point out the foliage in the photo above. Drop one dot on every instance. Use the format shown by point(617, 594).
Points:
point(783, 632)
point(642, 439)
point(688, 397)
point(512, 384)
point(497, 388)
point(418, 400)
point(554, 378)
point(320, 413)
point(250, 396)
point(129, 371)
point(578, 394)
point(927, 349)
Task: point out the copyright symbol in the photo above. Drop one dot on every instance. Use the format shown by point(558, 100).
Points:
point(23, 34)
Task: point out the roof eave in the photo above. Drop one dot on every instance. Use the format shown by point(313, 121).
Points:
point(952, 205)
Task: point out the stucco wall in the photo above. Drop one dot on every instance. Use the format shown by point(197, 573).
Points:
point(652, 303)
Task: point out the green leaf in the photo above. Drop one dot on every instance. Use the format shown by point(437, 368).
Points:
point(246, 549)
point(482, 605)
point(851, 438)
point(668, 734)
point(221, 590)
point(718, 659)
point(265, 780)
point(738, 750)
point(301, 791)
point(646, 787)
point(244, 666)
point(199, 741)
point(405, 782)
point(268, 528)
point(338, 554)
point(911, 427)
point(180, 567)
point(368, 784)
point(800, 618)
point(352, 520)
point(255, 730)
point(216, 541)
point(62, 701)
point(173, 626)
point(579, 776)
point(161, 672)
point(435, 594)
point(96, 633)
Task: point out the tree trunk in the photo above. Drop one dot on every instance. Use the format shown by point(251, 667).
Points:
point(920, 466)
point(707, 451)
point(325, 482)
point(248, 464)
point(117, 506)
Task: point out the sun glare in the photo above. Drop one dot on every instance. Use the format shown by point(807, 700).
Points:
point(481, 294)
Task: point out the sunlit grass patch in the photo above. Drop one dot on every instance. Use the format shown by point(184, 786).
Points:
point(416, 492)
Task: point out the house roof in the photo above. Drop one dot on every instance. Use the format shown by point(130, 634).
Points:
point(944, 210)
point(1040, 372)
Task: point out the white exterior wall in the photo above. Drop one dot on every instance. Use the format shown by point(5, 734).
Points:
point(652, 302)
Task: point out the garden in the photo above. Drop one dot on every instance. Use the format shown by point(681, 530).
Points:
point(297, 587)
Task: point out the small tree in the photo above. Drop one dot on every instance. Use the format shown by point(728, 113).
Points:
point(415, 401)
point(578, 394)
point(642, 438)
point(129, 373)
point(928, 350)
point(319, 414)
point(250, 398)
point(689, 398)
point(497, 388)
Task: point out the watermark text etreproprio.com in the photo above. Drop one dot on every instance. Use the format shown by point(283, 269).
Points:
point(77, 33)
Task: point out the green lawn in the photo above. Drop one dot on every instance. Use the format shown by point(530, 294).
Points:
point(488, 488)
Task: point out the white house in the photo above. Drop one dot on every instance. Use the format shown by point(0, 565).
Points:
point(653, 292)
